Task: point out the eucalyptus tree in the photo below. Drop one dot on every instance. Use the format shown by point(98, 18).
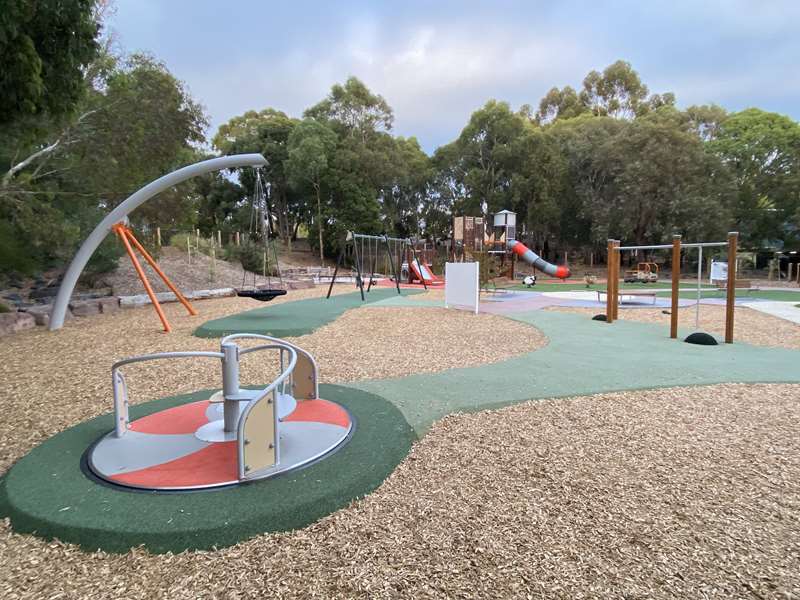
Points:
point(762, 151)
point(311, 147)
point(267, 132)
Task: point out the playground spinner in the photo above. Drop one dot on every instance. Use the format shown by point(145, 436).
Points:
point(235, 436)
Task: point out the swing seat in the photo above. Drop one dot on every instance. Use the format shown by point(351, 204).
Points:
point(262, 295)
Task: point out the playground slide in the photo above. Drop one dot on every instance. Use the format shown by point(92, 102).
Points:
point(422, 272)
point(530, 257)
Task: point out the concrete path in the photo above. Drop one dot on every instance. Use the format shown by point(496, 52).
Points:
point(783, 310)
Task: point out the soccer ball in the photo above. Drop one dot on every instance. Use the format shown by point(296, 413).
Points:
point(529, 280)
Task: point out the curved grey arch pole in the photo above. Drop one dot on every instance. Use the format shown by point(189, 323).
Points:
point(128, 205)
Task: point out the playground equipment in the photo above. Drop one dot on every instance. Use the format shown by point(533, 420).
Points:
point(645, 272)
point(533, 259)
point(127, 238)
point(118, 215)
point(234, 436)
point(365, 250)
point(471, 235)
point(261, 226)
point(613, 293)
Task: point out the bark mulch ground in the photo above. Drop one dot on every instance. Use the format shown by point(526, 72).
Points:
point(671, 493)
point(682, 492)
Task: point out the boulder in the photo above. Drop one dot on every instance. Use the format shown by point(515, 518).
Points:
point(12, 322)
point(41, 313)
point(109, 304)
point(85, 308)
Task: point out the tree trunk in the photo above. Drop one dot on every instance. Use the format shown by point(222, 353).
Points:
point(319, 226)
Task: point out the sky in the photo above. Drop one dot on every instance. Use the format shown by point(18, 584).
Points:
point(437, 62)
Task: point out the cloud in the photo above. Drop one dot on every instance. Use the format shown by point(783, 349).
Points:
point(437, 62)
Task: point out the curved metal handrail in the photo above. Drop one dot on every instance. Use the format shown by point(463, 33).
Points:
point(120, 387)
point(240, 441)
point(257, 336)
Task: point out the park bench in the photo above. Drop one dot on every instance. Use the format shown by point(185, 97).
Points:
point(741, 284)
point(629, 293)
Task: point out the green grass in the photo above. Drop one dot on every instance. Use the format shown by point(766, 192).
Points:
point(779, 295)
point(568, 287)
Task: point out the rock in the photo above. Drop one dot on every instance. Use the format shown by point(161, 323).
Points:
point(15, 321)
point(14, 298)
point(41, 313)
point(85, 308)
point(144, 299)
point(43, 292)
point(108, 304)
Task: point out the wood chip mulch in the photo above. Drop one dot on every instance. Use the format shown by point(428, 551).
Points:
point(671, 493)
point(69, 370)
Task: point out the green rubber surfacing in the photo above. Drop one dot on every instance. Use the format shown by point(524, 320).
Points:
point(48, 494)
point(293, 319)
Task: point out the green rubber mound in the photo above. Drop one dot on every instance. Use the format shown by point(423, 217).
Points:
point(47, 494)
point(292, 319)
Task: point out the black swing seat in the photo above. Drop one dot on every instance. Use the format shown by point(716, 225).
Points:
point(261, 294)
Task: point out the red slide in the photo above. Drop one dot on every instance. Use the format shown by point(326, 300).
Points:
point(423, 273)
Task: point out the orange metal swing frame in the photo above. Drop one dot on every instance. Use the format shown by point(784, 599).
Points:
point(127, 238)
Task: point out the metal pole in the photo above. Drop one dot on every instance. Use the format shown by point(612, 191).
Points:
point(336, 269)
point(120, 212)
point(391, 264)
point(359, 281)
point(230, 385)
point(699, 276)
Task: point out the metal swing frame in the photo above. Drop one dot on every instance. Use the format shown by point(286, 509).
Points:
point(268, 293)
point(352, 239)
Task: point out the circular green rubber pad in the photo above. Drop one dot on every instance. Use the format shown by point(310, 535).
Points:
point(46, 493)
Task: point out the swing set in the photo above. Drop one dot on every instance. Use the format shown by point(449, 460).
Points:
point(365, 250)
point(260, 227)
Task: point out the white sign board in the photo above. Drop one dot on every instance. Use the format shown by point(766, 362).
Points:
point(462, 285)
point(719, 271)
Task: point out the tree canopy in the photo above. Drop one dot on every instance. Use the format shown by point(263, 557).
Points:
point(81, 127)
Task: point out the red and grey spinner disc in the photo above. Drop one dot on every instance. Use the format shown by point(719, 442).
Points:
point(172, 450)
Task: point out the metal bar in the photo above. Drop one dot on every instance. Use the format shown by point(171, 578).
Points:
point(158, 271)
point(667, 246)
point(120, 231)
point(699, 277)
point(336, 269)
point(164, 355)
point(359, 280)
point(118, 214)
point(676, 280)
point(380, 238)
point(391, 264)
